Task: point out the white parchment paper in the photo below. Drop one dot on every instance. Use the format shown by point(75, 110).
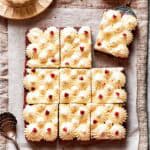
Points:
point(61, 17)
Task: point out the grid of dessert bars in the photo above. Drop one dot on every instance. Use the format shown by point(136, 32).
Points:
point(64, 97)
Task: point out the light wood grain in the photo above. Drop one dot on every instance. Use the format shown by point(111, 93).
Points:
point(27, 11)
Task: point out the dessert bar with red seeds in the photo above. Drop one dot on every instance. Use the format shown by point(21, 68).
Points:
point(41, 86)
point(76, 47)
point(115, 33)
point(75, 85)
point(42, 48)
point(108, 85)
point(74, 122)
point(41, 122)
point(108, 121)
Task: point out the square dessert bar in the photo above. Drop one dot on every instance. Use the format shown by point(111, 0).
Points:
point(75, 85)
point(41, 122)
point(74, 122)
point(115, 33)
point(108, 85)
point(107, 121)
point(76, 47)
point(41, 86)
point(42, 49)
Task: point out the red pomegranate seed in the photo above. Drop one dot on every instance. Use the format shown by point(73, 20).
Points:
point(34, 130)
point(124, 34)
point(114, 16)
point(82, 112)
point(51, 32)
point(106, 71)
point(117, 93)
point(48, 129)
point(32, 89)
point(116, 114)
point(99, 43)
point(100, 96)
point(53, 60)
point(117, 133)
point(33, 70)
point(35, 50)
point(66, 95)
point(81, 78)
point(86, 32)
point(50, 96)
point(81, 48)
point(52, 75)
point(47, 112)
point(94, 121)
point(65, 129)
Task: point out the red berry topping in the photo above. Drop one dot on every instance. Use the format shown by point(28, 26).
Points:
point(117, 93)
point(124, 34)
point(67, 63)
point(116, 114)
point(47, 112)
point(53, 60)
point(86, 32)
point(33, 70)
point(99, 43)
point(106, 71)
point(81, 78)
point(81, 48)
point(117, 133)
point(50, 96)
point(100, 96)
point(65, 129)
point(32, 89)
point(114, 16)
point(66, 95)
point(35, 50)
point(34, 130)
point(51, 32)
point(82, 112)
point(48, 129)
point(94, 121)
point(52, 75)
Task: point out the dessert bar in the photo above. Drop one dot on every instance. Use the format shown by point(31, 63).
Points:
point(75, 85)
point(42, 49)
point(107, 121)
point(76, 47)
point(41, 122)
point(41, 86)
point(74, 122)
point(108, 85)
point(115, 33)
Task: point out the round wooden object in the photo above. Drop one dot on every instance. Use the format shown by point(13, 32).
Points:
point(27, 11)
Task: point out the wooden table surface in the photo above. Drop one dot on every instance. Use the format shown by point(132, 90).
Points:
point(59, 3)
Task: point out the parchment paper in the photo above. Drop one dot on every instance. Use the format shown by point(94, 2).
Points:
point(61, 17)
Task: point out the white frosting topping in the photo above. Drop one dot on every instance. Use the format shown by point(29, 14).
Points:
point(83, 132)
point(32, 132)
point(49, 132)
point(32, 50)
point(34, 34)
point(129, 22)
point(69, 33)
point(66, 131)
point(101, 131)
point(43, 52)
point(30, 81)
point(117, 131)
